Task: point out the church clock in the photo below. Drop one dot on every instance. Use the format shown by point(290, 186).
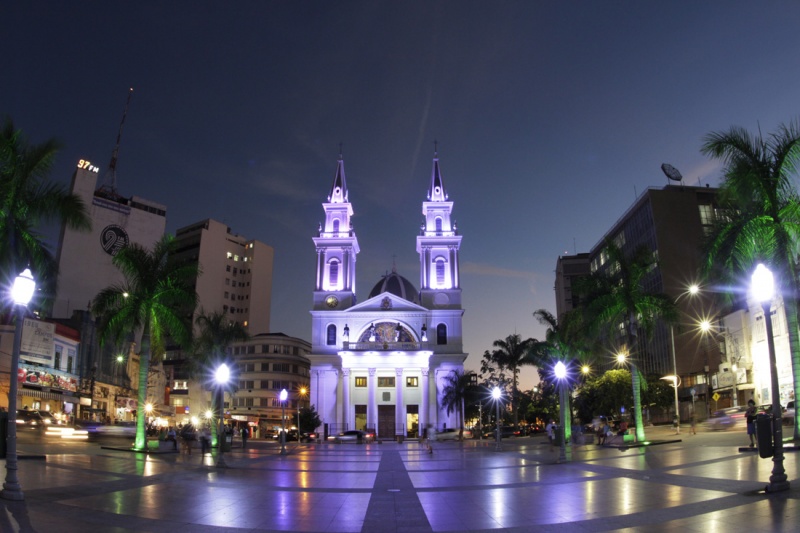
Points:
point(332, 301)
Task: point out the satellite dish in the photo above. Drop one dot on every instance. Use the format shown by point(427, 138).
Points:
point(671, 172)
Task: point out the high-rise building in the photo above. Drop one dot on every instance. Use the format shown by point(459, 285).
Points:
point(383, 363)
point(84, 258)
point(236, 273)
point(568, 269)
point(672, 223)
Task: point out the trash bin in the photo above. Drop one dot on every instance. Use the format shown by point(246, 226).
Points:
point(3, 433)
point(764, 435)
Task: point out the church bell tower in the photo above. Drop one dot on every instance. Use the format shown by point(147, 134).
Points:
point(437, 245)
point(336, 247)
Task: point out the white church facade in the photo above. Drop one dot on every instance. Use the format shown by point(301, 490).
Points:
point(381, 364)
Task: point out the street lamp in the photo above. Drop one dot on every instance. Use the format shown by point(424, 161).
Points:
point(676, 382)
point(560, 372)
point(303, 391)
point(763, 286)
point(221, 377)
point(496, 394)
point(283, 397)
point(21, 294)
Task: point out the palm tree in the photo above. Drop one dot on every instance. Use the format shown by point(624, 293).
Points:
point(763, 216)
point(512, 353)
point(454, 393)
point(28, 201)
point(618, 302)
point(155, 297)
point(216, 334)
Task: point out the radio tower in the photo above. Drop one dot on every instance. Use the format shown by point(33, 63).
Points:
point(109, 186)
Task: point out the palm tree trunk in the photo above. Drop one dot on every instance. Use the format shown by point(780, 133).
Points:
point(637, 386)
point(794, 347)
point(514, 396)
point(144, 367)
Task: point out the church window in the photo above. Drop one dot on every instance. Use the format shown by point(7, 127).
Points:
point(361, 381)
point(440, 272)
point(412, 381)
point(386, 382)
point(441, 334)
point(438, 225)
point(336, 227)
point(334, 274)
point(331, 335)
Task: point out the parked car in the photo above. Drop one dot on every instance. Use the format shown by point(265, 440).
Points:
point(727, 418)
point(291, 435)
point(452, 434)
point(507, 432)
point(354, 435)
point(308, 436)
point(30, 419)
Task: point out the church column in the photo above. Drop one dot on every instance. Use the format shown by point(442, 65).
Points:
point(427, 284)
point(424, 417)
point(346, 399)
point(345, 269)
point(372, 406)
point(400, 408)
point(454, 267)
point(320, 269)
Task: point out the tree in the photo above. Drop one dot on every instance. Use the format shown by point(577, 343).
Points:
point(762, 220)
point(216, 333)
point(605, 395)
point(511, 354)
point(617, 302)
point(27, 202)
point(155, 297)
point(309, 419)
point(454, 393)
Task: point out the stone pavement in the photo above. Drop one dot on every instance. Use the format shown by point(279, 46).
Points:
point(702, 483)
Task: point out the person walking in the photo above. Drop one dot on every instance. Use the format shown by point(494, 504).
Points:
point(750, 417)
point(694, 422)
point(245, 435)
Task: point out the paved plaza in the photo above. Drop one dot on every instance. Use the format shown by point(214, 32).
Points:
point(702, 483)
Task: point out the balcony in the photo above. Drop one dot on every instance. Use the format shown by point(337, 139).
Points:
point(384, 346)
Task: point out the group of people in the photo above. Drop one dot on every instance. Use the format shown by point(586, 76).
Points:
point(188, 434)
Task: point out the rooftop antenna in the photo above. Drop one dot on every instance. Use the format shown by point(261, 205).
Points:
point(110, 179)
point(672, 173)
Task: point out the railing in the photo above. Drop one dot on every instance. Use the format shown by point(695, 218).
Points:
point(383, 346)
point(336, 234)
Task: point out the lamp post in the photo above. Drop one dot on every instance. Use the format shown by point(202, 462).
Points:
point(560, 372)
point(302, 393)
point(21, 294)
point(283, 396)
point(675, 382)
point(496, 394)
point(763, 286)
point(221, 376)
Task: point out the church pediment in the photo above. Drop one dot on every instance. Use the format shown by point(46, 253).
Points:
point(385, 301)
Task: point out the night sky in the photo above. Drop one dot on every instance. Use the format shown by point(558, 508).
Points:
point(550, 118)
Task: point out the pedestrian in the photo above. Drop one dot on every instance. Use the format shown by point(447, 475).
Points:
point(550, 429)
point(750, 416)
point(676, 424)
point(205, 440)
point(188, 437)
point(602, 432)
point(694, 422)
point(245, 435)
point(173, 438)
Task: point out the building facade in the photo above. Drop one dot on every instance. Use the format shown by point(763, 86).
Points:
point(381, 364)
point(84, 258)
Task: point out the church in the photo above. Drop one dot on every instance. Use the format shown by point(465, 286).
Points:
point(382, 364)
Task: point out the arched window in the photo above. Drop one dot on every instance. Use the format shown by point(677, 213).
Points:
point(333, 278)
point(336, 227)
point(331, 335)
point(438, 225)
point(440, 278)
point(441, 334)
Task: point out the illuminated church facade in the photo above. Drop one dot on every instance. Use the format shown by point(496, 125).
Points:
point(382, 364)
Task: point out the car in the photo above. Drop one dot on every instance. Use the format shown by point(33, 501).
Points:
point(290, 435)
point(30, 419)
point(353, 435)
point(49, 419)
point(452, 434)
point(507, 432)
point(308, 436)
point(120, 429)
point(727, 418)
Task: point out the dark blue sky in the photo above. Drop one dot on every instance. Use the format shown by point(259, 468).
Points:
point(550, 117)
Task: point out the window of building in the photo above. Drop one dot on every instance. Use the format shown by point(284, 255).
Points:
point(336, 226)
point(227, 268)
point(229, 255)
point(361, 381)
point(281, 367)
point(235, 271)
point(412, 381)
point(69, 364)
point(385, 381)
point(264, 384)
point(334, 274)
point(227, 281)
point(265, 367)
point(251, 349)
point(440, 272)
point(227, 294)
point(331, 335)
point(248, 384)
point(438, 225)
point(441, 334)
point(224, 308)
point(57, 362)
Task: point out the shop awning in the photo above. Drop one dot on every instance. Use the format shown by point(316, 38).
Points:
point(47, 395)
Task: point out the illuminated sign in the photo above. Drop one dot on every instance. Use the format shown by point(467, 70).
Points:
point(88, 166)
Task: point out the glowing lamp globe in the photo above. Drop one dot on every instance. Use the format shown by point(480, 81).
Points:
point(763, 283)
point(560, 370)
point(22, 290)
point(223, 374)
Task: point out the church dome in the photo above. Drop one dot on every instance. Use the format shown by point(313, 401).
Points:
point(396, 284)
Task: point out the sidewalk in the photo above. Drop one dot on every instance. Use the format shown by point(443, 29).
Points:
point(702, 483)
